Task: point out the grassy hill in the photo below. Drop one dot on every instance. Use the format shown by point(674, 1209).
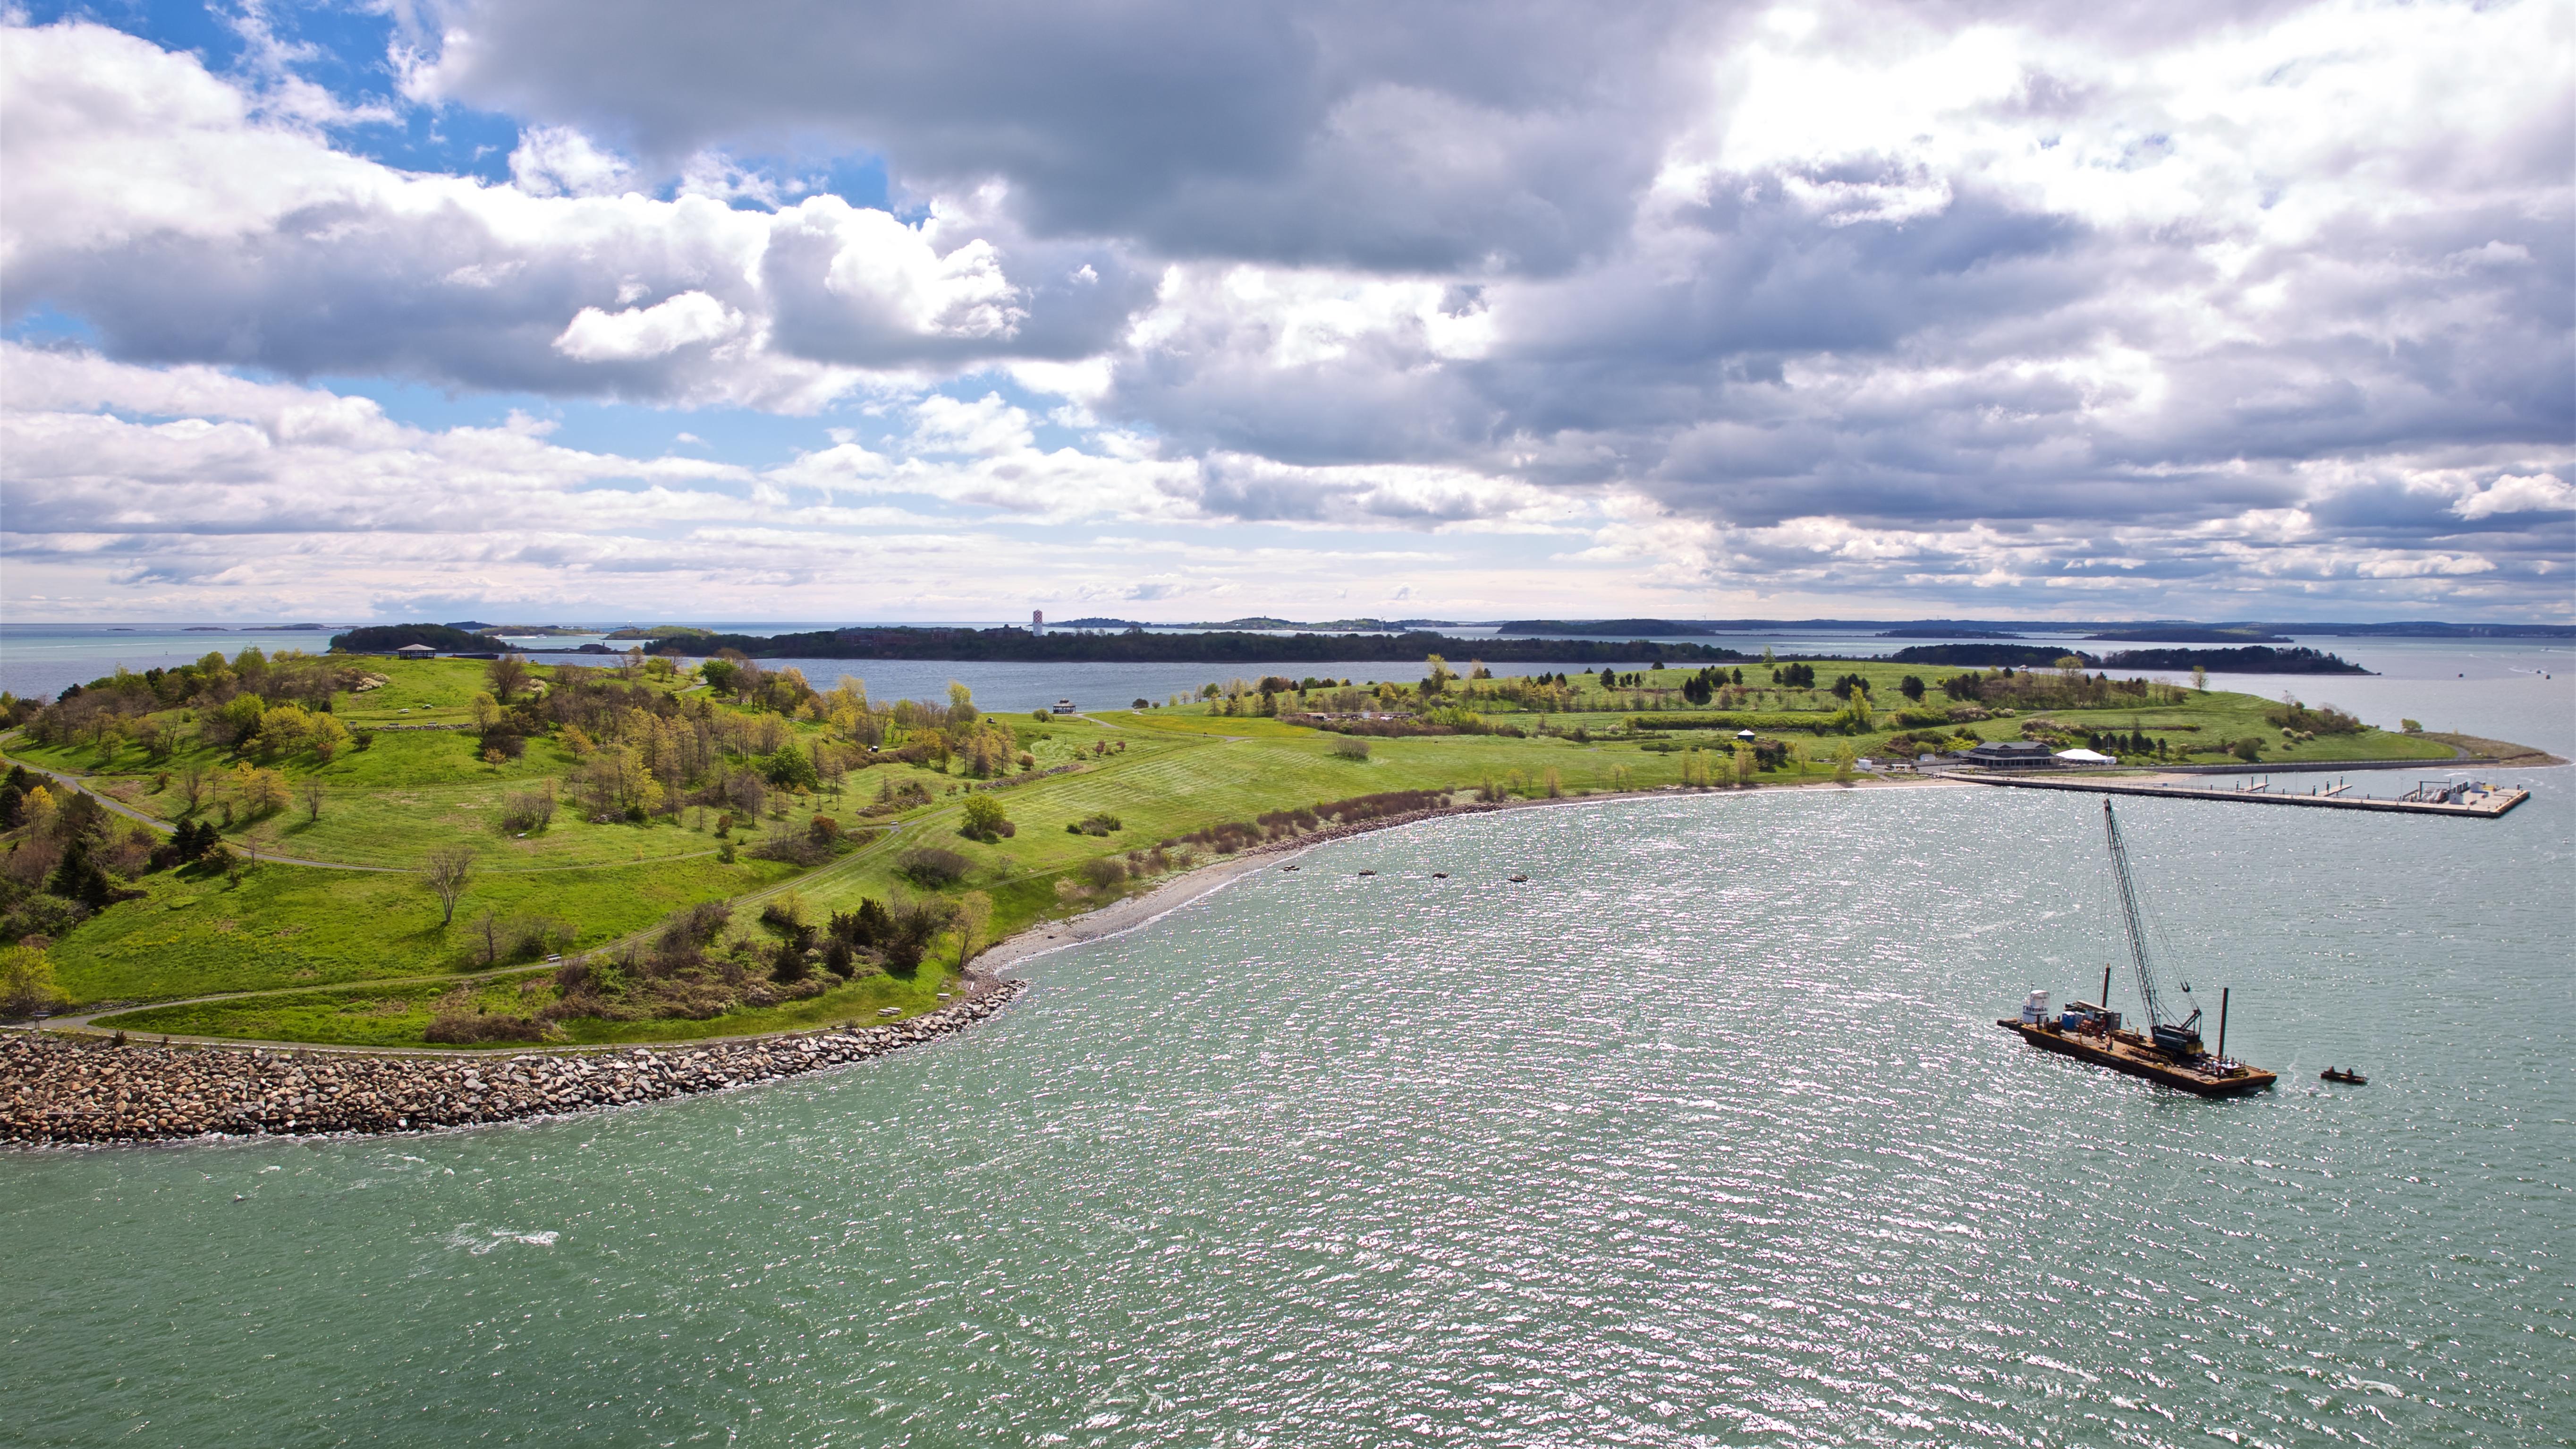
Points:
point(790, 807)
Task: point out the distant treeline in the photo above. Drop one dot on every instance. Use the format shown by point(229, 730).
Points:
point(386, 638)
point(2252, 659)
point(1222, 647)
point(1604, 627)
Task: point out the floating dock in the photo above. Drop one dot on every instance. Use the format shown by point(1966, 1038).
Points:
point(2432, 797)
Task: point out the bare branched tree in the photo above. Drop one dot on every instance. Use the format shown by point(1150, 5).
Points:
point(448, 869)
point(312, 792)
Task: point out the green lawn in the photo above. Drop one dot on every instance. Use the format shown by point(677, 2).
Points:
point(285, 926)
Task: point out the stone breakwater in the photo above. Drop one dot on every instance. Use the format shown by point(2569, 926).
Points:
point(64, 1091)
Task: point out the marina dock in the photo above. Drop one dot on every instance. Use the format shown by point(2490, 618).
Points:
point(2478, 801)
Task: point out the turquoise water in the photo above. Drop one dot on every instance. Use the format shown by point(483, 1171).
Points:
point(1703, 1135)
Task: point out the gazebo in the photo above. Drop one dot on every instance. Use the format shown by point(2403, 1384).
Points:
point(415, 651)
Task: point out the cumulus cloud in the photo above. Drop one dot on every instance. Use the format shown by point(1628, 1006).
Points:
point(1843, 296)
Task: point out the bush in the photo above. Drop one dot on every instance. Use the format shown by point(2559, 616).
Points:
point(914, 923)
point(2248, 749)
point(529, 809)
point(460, 1020)
point(930, 867)
point(985, 820)
point(1350, 747)
point(1104, 872)
point(869, 925)
point(1101, 823)
point(2323, 720)
point(27, 982)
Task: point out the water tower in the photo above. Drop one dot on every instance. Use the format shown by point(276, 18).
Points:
point(1037, 621)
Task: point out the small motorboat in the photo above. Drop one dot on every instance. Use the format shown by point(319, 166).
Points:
point(1440, 875)
point(1368, 872)
point(2348, 1078)
point(1516, 879)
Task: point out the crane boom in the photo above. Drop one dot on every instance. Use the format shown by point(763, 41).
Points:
point(2177, 1036)
point(2129, 918)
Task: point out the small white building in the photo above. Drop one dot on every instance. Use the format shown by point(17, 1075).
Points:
point(2085, 757)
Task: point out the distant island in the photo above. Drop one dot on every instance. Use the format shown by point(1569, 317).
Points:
point(2193, 634)
point(2253, 659)
point(1603, 627)
point(1215, 646)
point(1236, 646)
point(1925, 632)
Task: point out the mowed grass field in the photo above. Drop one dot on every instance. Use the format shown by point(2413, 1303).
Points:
point(283, 926)
point(360, 957)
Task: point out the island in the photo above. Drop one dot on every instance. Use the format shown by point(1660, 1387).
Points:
point(503, 854)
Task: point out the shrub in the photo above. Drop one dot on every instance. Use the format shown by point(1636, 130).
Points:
point(914, 923)
point(985, 820)
point(529, 809)
point(460, 1020)
point(2322, 720)
point(784, 912)
point(930, 867)
point(2248, 749)
point(838, 958)
point(867, 926)
point(1350, 747)
point(27, 982)
point(1105, 871)
point(1101, 823)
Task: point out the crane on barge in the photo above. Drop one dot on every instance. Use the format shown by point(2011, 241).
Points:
point(2168, 1051)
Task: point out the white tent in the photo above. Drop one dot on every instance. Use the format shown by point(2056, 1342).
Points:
point(2085, 757)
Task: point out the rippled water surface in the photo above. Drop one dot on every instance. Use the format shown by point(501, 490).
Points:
point(1701, 1135)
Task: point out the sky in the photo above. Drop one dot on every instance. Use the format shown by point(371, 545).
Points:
point(820, 310)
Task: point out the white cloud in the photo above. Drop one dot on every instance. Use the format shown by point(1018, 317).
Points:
point(560, 161)
point(644, 332)
point(2519, 493)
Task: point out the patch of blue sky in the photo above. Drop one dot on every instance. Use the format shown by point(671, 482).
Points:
point(45, 324)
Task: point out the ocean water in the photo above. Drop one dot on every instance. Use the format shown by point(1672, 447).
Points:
point(1701, 1135)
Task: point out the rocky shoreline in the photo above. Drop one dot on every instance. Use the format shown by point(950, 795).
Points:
point(64, 1091)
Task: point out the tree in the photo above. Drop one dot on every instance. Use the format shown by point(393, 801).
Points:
point(984, 818)
point(312, 792)
point(2200, 678)
point(1910, 687)
point(1744, 764)
point(446, 871)
point(508, 674)
point(974, 911)
point(27, 982)
point(327, 738)
point(192, 788)
point(487, 713)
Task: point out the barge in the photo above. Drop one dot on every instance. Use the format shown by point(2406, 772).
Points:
point(2168, 1051)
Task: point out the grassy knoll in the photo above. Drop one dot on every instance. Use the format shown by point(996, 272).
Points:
point(841, 794)
point(196, 932)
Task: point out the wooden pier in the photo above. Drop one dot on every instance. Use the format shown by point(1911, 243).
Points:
point(2464, 801)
